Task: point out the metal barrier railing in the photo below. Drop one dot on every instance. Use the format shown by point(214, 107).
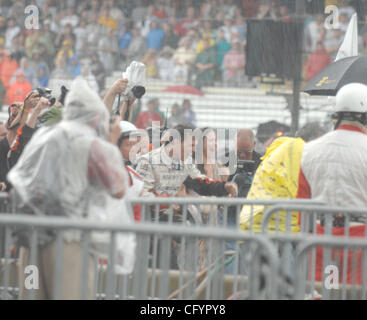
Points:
point(221, 212)
point(152, 277)
point(311, 218)
point(181, 259)
point(311, 214)
point(333, 284)
point(206, 209)
point(6, 206)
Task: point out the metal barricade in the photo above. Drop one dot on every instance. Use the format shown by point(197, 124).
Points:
point(202, 210)
point(311, 217)
point(312, 213)
point(333, 282)
point(6, 206)
point(152, 277)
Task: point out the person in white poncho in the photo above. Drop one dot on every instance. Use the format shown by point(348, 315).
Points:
point(71, 170)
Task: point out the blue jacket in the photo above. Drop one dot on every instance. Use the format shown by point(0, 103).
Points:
point(124, 40)
point(154, 39)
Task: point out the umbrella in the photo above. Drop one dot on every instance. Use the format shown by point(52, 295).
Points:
point(186, 89)
point(336, 75)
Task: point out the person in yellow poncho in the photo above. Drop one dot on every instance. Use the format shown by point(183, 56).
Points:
point(277, 178)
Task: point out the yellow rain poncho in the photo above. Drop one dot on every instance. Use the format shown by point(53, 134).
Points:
point(275, 178)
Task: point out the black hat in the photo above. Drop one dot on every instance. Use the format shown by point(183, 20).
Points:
point(267, 129)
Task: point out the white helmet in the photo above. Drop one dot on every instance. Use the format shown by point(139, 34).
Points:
point(352, 98)
point(127, 127)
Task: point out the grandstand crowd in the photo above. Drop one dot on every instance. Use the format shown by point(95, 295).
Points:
point(73, 154)
point(201, 43)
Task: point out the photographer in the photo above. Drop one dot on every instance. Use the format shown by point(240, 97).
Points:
point(34, 120)
point(131, 87)
point(118, 87)
point(247, 161)
point(25, 133)
point(18, 113)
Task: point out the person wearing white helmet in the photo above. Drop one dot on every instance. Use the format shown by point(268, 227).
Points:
point(127, 140)
point(334, 167)
point(334, 171)
point(130, 136)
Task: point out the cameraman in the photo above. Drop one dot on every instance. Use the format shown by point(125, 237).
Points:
point(25, 133)
point(18, 113)
point(248, 161)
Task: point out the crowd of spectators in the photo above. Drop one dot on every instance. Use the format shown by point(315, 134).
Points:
point(201, 43)
point(322, 44)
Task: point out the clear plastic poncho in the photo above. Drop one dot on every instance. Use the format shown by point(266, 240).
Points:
point(71, 170)
point(135, 74)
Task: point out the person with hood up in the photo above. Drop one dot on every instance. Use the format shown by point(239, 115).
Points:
point(19, 89)
point(8, 66)
point(42, 76)
point(71, 170)
point(29, 73)
point(277, 178)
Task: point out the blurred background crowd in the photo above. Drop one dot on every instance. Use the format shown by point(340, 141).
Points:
point(201, 43)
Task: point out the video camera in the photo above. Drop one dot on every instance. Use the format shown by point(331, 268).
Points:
point(243, 176)
point(246, 166)
point(135, 74)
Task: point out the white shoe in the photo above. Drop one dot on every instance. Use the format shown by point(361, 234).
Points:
point(316, 296)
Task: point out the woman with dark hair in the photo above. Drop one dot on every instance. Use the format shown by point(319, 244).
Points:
point(207, 147)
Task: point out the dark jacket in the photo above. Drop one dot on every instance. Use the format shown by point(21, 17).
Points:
point(23, 137)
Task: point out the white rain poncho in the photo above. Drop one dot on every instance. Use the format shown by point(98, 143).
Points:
point(135, 74)
point(71, 170)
